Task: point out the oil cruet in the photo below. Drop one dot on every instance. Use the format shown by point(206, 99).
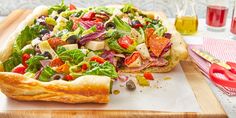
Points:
point(186, 21)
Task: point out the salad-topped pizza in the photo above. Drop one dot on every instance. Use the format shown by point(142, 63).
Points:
point(68, 54)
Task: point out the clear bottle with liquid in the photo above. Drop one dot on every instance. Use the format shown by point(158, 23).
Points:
point(186, 21)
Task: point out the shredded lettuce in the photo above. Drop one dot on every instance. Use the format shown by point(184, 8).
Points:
point(73, 56)
point(46, 74)
point(106, 69)
point(34, 63)
point(89, 31)
point(58, 8)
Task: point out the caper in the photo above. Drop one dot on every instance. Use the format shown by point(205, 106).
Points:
point(130, 85)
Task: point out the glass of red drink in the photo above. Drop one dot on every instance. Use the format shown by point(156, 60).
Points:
point(233, 21)
point(216, 15)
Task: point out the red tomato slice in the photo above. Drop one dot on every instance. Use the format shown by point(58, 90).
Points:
point(72, 7)
point(25, 57)
point(68, 77)
point(20, 70)
point(148, 76)
point(56, 62)
point(88, 16)
point(130, 59)
point(55, 42)
point(98, 59)
point(125, 42)
point(157, 44)
point(84, 67)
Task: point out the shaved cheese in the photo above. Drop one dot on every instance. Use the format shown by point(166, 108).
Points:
point(95, 45)
point(143, 50)
point(45, 47)
point(70, 46)
point(36, 41)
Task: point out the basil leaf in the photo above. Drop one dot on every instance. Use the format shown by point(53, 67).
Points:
point(34, 63)
point(46, 74)
point(106, 69)
point(74, 56)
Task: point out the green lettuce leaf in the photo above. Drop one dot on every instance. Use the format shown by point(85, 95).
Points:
point(104, 9)
point(121, 25)
point(73, 56)
point(58, 8)
point(113, 43)
point(46, 74)
point(60, 49)
point(128, 8)
point(34, 63)
point(106, 69)
point(12, 62)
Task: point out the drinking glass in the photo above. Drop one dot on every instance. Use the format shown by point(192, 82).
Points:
point(216, 15)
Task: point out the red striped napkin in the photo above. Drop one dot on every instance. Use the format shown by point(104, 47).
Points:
point(222, 49)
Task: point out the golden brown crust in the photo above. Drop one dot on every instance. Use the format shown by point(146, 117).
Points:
point(89, 88)
point(92, 89)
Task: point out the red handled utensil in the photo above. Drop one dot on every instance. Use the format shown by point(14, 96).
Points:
point(227, 69)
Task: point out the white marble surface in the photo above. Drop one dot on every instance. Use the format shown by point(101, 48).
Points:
point(228, 103)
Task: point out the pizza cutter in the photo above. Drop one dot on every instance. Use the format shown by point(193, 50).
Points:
point(227, 69)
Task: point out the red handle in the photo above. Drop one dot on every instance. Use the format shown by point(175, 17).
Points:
point(233, 66)
point(215, 68)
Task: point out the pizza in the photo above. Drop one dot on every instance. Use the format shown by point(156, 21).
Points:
point(67, 54)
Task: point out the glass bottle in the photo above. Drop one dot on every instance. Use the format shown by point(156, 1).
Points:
point(186, 21)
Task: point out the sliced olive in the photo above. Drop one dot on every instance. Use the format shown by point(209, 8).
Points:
point(44, 31)
point(110, 25)
point(47, 54)
point(72, 39)
point(120, 62)
point(57, 76)
point(130, 85)
point(56, 17)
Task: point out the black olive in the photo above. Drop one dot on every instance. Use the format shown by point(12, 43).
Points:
point(135, 23)
point(60, 10)
point(110, 25)
point(44, 31)
point(47, 54)
point(56, 17)
point(72, 39)
point(120, 62)
point(57, 76)
point(130, 85)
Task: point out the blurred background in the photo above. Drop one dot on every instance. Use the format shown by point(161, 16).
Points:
point(167, 6)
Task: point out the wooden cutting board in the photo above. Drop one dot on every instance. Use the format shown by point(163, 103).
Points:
point(210, 107)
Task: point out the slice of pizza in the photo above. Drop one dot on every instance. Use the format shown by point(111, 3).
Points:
point(71, 55)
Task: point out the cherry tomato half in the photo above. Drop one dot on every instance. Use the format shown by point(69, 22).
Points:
point(98, 59)
point(148, 76)
point(20, 70)
point(25, 57)
point(68, 77)
point(125, 42)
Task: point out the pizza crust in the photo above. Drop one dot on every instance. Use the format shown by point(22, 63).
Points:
point(92, 89)
point(178, 49)
point(85, 89)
